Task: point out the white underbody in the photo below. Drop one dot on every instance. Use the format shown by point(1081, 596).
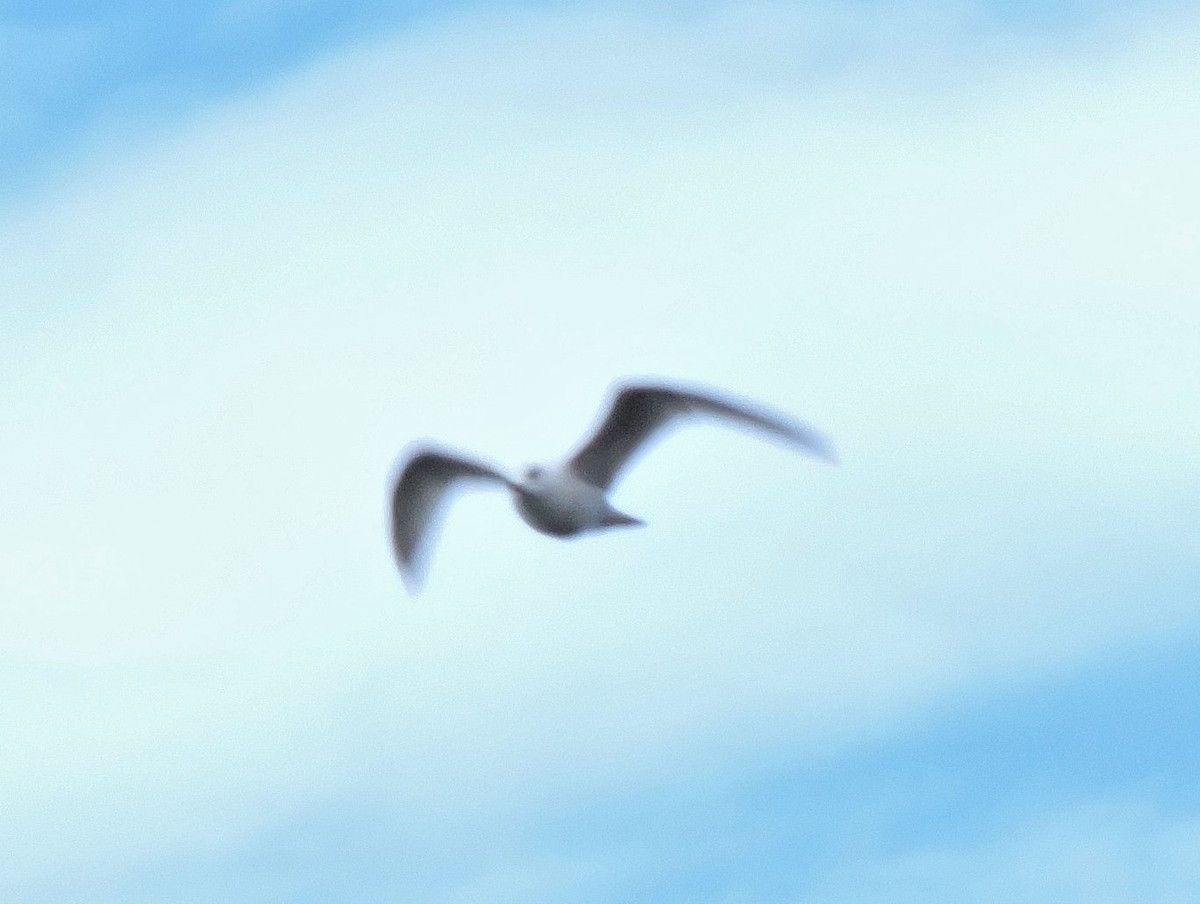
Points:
point(558, 502)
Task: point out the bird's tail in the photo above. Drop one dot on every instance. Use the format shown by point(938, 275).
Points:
point(613, 518)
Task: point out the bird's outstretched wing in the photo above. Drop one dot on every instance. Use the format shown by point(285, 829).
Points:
point(640, 410)
point(418, 499)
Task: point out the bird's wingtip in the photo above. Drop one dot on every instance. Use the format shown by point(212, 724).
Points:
point(412, 579)
point(817, 444)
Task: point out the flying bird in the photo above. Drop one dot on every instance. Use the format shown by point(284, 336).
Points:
point(571, 498)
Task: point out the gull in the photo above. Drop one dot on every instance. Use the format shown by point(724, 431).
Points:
point(571, 497)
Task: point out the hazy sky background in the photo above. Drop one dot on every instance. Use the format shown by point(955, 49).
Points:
point(250, 250)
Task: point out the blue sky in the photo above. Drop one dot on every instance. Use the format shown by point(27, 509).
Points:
point(249, 251)
point(73, 69)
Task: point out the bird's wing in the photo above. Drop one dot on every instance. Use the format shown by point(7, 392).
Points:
point(418, 499)
point(638, 411)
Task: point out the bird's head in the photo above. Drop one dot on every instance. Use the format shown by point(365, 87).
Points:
point(534, 476)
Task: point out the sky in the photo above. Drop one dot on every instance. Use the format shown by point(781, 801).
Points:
point(251, 251)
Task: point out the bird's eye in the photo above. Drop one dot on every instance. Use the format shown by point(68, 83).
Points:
point(533, 472)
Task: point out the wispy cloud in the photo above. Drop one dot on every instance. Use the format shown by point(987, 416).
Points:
point(79, 82)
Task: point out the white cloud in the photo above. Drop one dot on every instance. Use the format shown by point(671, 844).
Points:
point(217, 347)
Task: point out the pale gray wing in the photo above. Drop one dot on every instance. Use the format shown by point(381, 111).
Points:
point(419, 498)
point(639, 411)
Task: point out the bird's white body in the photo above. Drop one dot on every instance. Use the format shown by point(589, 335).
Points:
point(556, 501)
